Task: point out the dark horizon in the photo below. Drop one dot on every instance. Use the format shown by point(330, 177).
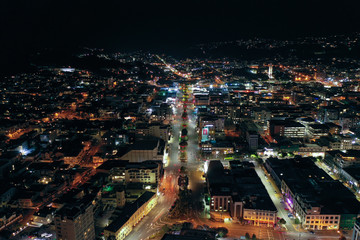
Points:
point(164, 26)
point(145, 24)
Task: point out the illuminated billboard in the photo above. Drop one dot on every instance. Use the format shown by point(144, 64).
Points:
point(205, 134)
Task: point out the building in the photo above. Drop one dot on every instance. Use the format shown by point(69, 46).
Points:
point(222, 148)
point(44, 216)
point(113, 195)
point(191, 234)
point(154, 130)
point(318, 201)
point(252, 138)
point(250, 201)
point(146, 172)
point(145, 150)
point(130, 216)
point(75, 221)
point(356, 231)
point(318, 130)
point(239, 194)
point(121, 171)
point(219, 187)
point(115, 168)
point(285, 128)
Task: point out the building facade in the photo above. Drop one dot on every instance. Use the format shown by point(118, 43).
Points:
point(75, 222)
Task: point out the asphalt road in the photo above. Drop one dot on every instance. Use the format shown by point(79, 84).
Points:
point(275, 197)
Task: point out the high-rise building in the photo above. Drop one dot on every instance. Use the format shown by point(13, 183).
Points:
point(75, 222)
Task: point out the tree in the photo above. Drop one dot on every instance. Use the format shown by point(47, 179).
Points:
point(247, 236)
point(206, 227)
point(176, 227)
point(253, 237)
point(222, 231)
point(282, 221)
point(187, 225)
point(182, 169)
point(165, 228)
point(297, 221)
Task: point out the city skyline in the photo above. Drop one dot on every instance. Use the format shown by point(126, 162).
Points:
point(191, 120)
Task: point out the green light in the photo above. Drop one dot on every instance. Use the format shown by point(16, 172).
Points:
point(108, 188)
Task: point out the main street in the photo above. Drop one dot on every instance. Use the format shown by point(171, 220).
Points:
point(157, 217)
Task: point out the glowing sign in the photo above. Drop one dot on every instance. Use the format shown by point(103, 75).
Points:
point(205, 134)
point(205, 131)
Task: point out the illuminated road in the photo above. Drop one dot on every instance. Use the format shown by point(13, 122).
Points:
point(154, 220)
point(275, 197)
point(173, 70)
point(157, 217)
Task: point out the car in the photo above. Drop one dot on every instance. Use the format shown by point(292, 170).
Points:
point(312, 232)
point(286, 209)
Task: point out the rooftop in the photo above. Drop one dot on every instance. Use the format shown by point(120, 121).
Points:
point(128, 212)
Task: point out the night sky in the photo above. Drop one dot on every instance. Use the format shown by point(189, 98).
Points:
point(28, 25)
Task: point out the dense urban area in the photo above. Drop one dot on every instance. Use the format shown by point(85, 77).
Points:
point(248, 139)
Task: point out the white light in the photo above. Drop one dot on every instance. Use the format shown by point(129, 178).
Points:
point(206, 166)
point(24, 151)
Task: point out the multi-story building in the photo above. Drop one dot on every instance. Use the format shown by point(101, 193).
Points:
point(132, 215)
point(75, 222)
point(252, 138)
point(285, 128)
point(318, 130)
point(318, 201)
point(154, 130)
point(356, 230)
point(240, 194)
point(261, 115)
point(121, 171)
point(260, 217)
point(219, 187)
point(145, 172)
point(113, 195)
